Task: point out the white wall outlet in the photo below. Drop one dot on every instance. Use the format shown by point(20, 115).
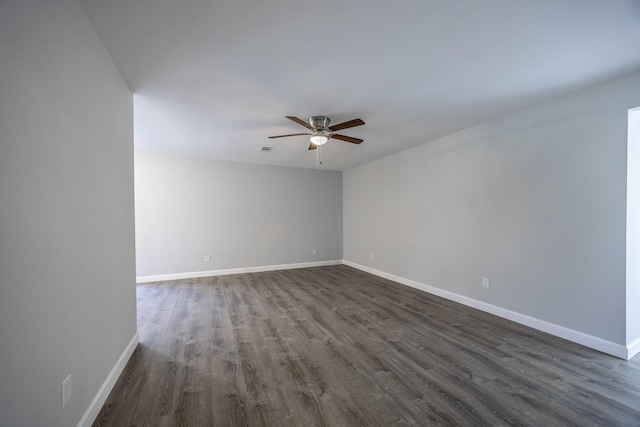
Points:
point(314, 251)
point(485, 282)
point(66, 391)
point(207, 258)
point(371, 255)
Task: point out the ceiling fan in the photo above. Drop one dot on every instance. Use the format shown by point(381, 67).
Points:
point(321, 132)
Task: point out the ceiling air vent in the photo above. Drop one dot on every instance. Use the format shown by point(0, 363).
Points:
point(266, 149)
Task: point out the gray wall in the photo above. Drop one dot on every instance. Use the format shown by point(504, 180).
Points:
point(242, 215)
point(67, 295)
point(535, 201)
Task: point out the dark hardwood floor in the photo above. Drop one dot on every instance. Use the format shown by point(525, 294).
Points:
point(333, 346)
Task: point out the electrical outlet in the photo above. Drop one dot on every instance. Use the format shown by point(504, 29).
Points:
point(485, 282)
point(207, 258)
point(66, 391)
point(314, 251)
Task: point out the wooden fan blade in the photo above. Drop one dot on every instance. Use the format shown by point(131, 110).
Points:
point(344, 125)
point(299, 121)
point(347, 138)
point(312, 146)
point(291, 134)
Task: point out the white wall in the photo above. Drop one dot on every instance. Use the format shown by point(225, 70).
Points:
point(67, 294)
point(633, 230)
point(535, 201)
point(242, 215)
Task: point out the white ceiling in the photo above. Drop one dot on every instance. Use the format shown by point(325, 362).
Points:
point(214, 78)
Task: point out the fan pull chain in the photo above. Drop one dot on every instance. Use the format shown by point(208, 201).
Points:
point(318, 161)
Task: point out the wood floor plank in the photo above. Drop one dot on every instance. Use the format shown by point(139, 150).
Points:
point(334, 346)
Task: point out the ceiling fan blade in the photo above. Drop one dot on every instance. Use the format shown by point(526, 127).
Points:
point(291, 134)
point(344, 125)
point(299, 121)
point(312, 146)
point(347, 138)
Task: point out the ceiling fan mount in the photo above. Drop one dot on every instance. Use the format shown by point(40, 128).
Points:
point(322, 131)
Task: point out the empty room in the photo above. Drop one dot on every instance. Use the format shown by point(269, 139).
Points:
point(354, 213)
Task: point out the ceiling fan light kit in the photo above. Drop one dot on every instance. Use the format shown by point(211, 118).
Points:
point(318, 138)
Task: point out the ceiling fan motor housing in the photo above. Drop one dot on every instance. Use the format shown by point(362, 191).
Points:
point(319, 122)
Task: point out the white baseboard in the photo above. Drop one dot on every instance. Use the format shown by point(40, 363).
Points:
point(92, 411)
point(617, 350)
point(633, 348)
point(209, 273)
